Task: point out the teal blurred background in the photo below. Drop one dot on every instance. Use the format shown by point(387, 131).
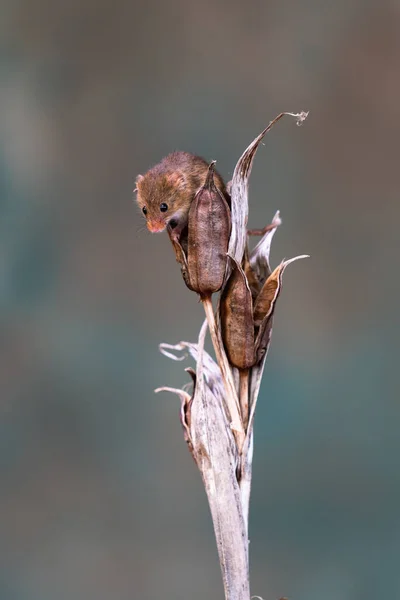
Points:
point(99, 496)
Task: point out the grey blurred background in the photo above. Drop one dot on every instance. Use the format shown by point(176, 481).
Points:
point(99, 498)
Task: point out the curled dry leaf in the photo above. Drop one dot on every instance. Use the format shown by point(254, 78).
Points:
point(259, 257)
point(184, 414)
point(211, 370)
point(239, 190)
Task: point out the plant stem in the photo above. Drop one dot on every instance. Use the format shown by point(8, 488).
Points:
point(244, 396)
point(230, 532)
point(214, 450)
point(232, 400)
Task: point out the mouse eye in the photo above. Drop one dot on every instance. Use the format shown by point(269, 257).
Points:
point(144, 210)
point(163, 207)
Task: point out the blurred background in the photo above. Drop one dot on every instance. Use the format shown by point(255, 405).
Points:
point(99, 497)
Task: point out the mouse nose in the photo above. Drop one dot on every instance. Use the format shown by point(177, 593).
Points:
point(155, 226)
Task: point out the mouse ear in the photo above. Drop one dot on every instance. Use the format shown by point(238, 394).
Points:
point(176, 179)
point(138, 180)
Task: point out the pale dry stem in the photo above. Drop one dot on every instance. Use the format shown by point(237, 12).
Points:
point(231, 396)
point(244, 396)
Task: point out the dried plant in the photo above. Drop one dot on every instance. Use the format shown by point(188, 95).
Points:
point(218, 415)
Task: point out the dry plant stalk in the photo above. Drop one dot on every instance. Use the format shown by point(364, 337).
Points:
point(218, 416)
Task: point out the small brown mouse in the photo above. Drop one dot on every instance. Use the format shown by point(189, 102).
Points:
point(166, 191)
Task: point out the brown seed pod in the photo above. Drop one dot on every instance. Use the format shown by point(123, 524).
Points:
point(208, 238)
point(237, 326)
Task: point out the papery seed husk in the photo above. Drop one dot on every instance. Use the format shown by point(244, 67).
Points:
point(265, 306)
point(264, 311)
point(251, 276)
point(209, 230)
point(237, 326)
point(267, 296)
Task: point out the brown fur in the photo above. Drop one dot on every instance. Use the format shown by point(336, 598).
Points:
point(174, 181)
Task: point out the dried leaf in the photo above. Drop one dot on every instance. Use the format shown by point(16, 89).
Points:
point(180, 258)
point(237, 328)
point(209, 230)
point(259, 257)
point(255, 383)
point(212, 372)
point(184, 414)
point(239, 190)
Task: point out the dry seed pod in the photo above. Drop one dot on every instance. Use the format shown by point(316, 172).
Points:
point(264, 309)
point(265, 306)
point(237, 326)
point(267, 296)
point(209, 230)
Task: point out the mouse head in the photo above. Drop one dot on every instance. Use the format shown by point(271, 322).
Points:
point(161, 198)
